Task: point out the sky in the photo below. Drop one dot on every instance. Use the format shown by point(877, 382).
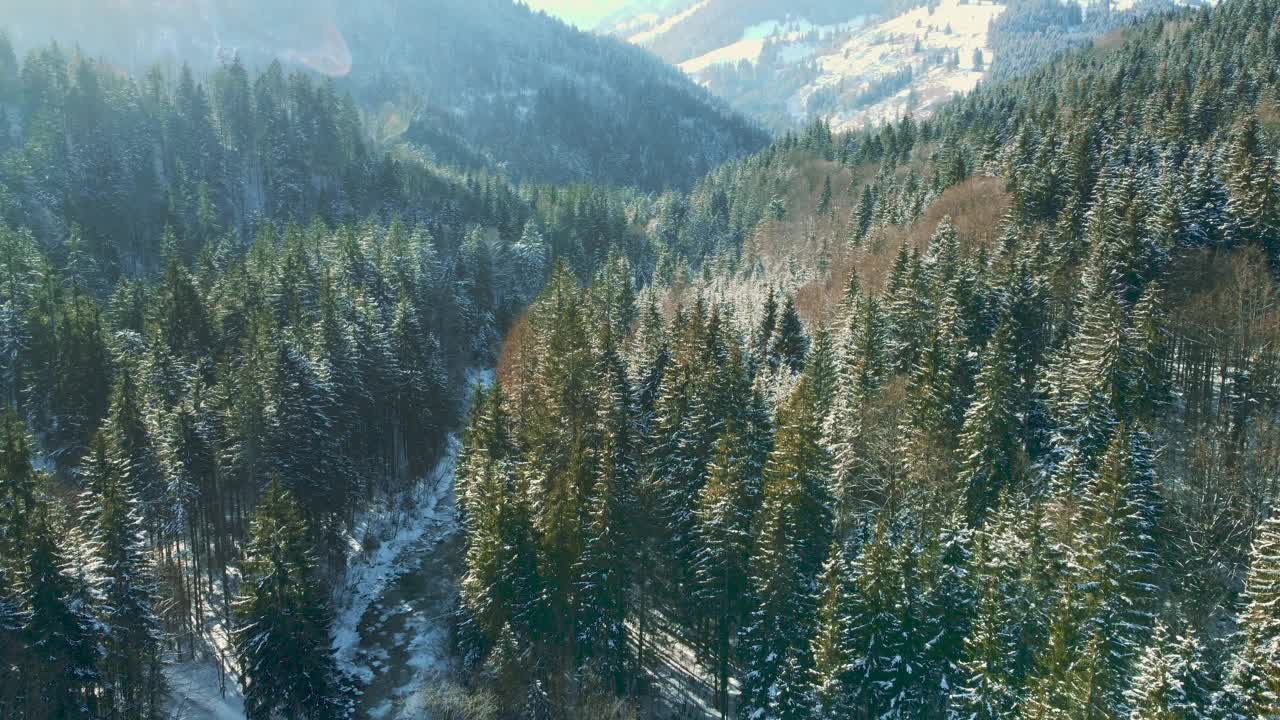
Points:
point(583, 13)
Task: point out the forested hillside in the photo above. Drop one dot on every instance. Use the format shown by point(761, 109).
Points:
point(230, 324)
point(973, 416)
point(970, 417)
point(479, 85)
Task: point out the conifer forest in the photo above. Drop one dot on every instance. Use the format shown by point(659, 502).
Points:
point(444, 360)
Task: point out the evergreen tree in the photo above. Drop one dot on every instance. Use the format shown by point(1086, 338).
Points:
point(65, 640)
point(824, 200)
point(282, 637)
point(500, 591)
point(18, 492)
point(850, 429)
point(992, 458)
point(1114, 561)
point(907, 305)
point(1169, 681)
point(791, 537)
point(832, 647)
point(987, 689)
point(948, 609)
point(724, 514)
point(12, 649)
point(1255, 677)
point(878, 632)
point(605, 568)
point(131, 676)
point(789, 345)
point(760, 340)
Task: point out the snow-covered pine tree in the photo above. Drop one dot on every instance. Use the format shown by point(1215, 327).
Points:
point(605, 568)
point(421, 394)
point(18, 498)
point(1252, 193)
point(282, 635)
point(1255, 676)
point(851, 433)
point(1148, 336)
point(789, 346)
point(877, 632)
point(824, 200)
point(949, 605)
point(991, 454)
point(724, 513)
point(1169, 681)
point(832, 648)
point(13, 649)
point(986, 687)
point(64, 638)
point(908, 309)
point(791, 537)
point(131, 677)
point(821, 368)
point(764, 330)
point(1113, 563)
point(299, 438)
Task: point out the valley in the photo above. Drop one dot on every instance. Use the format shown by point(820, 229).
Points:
point(431, 360)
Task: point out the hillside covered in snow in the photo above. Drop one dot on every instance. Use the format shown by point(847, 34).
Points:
point(864, 62)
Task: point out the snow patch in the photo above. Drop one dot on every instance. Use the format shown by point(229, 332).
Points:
point(648, 35)
point(193, 687)
point(748, 49)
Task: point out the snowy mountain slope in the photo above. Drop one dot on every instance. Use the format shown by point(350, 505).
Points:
point(859, 63)
point(694, 28)
point(942, 48)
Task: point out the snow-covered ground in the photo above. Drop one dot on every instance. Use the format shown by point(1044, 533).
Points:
point(392, 604)
point(395, 604)
point(391, 531)
point(886, 48)
point(665, 26)
point(851, 57)
point(195, 693)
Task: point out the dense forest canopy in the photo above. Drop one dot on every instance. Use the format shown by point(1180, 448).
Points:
point(886, 438)
point(973, 417)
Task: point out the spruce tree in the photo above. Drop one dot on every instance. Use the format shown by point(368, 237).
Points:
point(948, 609)
point(878, 633)
point(907, 304)
point(791, 537)
point(851, 432)
point(832, 647)
point(764, 331)
point(991, 455)
point(1114, 560)
point(1169, 680)
point(987, 688)
point(131, 676)
point(13, 649)
point(724, 515)
point(789, 345)
point(605, 568)
point(64, 638)
point(824, 200)
point(18, 491)
point(282, 635)
point(1255, 676)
